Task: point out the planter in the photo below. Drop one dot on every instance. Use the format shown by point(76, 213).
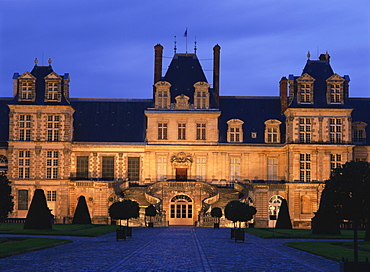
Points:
point(352, 266)
point(123, 232)
point(216, 225)
point(150, 225)
point(239, 235)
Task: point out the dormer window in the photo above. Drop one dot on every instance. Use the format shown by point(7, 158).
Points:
point(272, 131)
point(162, 95)
point(235, 131)
point(26, 86)
point(305, 89)
point(27, 90)
point(52, 91)
point(334, 93)
point(201, 95)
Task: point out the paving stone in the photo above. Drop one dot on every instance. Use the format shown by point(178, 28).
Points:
point(174, 248)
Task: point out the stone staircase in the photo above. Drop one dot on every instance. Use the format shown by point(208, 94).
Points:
point(137, 194)
point(226, 195)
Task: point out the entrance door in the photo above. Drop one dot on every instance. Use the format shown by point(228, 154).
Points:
point(181, 210)
point(181, 174)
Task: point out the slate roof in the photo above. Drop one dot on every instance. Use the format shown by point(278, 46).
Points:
point(253, 111)
point(320, 70)
point(184, 71)
point(361, 112)
point(116, 120)
point(40, 72)
point(4, 120)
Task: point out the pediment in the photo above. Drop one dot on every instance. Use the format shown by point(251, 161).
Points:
point(52, 76)
point(235, 122)
point(272, 122)
point(335, 77)
point(201, 84)
point(27, 75)
point(162, 84)
point(182, 102)
point(306, 77)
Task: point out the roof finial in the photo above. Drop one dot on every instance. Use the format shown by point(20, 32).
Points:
point(327, 55)
point(50, 61)
point(308, 54)
point(195, 45)
point(175, 48)
point(36, 61)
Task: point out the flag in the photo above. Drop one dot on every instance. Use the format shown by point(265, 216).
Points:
point(186, 33)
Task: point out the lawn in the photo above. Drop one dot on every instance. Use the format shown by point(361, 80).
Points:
point(16, 245)
point(334, 250)
point(300, 234)
point(60, 229)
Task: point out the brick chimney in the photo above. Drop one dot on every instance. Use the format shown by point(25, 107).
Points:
point(283, 94)
point(216, 72)
point(158, 51)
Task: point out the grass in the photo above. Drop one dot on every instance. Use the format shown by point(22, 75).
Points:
point(300, 234)
point(59, 229)
point(334, 250)
point(16, 245)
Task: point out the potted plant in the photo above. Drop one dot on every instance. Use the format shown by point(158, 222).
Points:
point(125, 210)
point(150, 211)
point(216, 212)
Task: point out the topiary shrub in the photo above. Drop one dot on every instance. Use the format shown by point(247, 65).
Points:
point(38, 216)
point(150, 211)
point(82, 214)
point(6, 199)
point(283, 221)
point(124, 210)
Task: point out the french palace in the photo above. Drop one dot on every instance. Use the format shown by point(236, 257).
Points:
point(186, 149)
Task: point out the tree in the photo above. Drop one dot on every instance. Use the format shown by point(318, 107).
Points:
point(237, 211)
point(283, 221)
point(216, 212)
point(347, 193)
point(125, 210)
point(38, 216)
point(6, 199)
point(82, 214)
point(151, 211)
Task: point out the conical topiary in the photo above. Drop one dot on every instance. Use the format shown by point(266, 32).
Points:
point(39, 216)
point(283, 221)
point(82, 214)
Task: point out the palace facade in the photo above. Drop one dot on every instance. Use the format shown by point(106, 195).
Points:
point(187, 148)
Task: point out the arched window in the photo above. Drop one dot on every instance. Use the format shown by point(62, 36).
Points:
point(235, 131)
point(306, 207)
point(274, 206)
point(201, 95)
point(162, 95)
point(181, 208)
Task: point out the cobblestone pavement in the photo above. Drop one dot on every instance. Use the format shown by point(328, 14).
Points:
point(173, 248)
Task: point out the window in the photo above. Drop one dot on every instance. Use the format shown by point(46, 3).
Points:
point(272, 131)
point(235, 131)
point(53, 126)
point(181, 131)
point(22, 199)
point(133, 169)
point(24, 164)
point(161, 167)
point(82, 167)
point(334, 91)
point(162, 95)
point(108, 168)
point(359, 132)
point(335, 130)
point(52, 91)
point(335, 161)
point(305, 167)
point(51, 196)
point(3, 165)
point(162, 131)
point(25, 127)
point(305, 130)
point(201, 132)
point(272, 168)
point(305, 89)
point(52, 163)
point(27, 87)
point(234, 169)
point(200, 168)
point(201, 95)
point(181, 207)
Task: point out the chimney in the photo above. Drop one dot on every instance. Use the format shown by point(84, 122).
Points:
point(283, 94)
point(216, 72)
point(158, 51)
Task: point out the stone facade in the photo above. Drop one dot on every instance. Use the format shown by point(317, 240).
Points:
point(192, 150)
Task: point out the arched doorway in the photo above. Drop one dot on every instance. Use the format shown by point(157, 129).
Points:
point(274, 208)
point(181, 210)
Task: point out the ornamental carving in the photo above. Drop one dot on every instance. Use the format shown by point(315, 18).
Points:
point(182, 159)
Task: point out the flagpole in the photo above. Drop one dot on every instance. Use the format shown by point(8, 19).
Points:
point(186, 36)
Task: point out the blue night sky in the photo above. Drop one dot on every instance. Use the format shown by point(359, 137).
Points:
point(107, 46)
